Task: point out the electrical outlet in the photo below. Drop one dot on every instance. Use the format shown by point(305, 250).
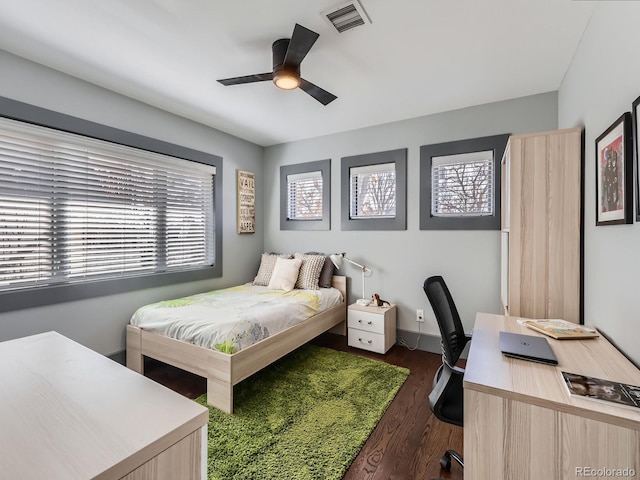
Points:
point(419, 315)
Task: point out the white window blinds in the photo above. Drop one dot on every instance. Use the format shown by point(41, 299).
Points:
point(304, 196)
point(462, 185)
point(77, 209)
point(373, 191)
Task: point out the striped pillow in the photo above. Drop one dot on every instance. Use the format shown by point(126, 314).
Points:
point(326, 275)
point(309, 271)
point(267, 264)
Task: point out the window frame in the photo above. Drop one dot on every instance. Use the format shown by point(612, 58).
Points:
point(322, 166)
point(494, 143)
point(399, 221)
point(51, 294)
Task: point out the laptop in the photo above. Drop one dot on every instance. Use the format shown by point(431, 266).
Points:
point(527, 347)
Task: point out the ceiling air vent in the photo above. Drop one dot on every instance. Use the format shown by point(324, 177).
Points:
point(346, 16)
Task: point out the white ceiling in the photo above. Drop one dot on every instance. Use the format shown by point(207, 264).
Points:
point(417, 57)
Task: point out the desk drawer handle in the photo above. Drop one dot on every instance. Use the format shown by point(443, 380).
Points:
point(368, 341)
point(368, 323)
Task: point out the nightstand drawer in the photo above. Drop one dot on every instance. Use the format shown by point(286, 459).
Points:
point(366, 340)
point(371, 322)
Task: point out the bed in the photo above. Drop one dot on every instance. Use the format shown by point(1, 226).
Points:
point(224, 370)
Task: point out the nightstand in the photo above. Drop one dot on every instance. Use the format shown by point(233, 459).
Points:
point(372, 328)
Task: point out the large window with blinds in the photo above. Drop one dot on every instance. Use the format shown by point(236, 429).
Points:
point(374, 189)
point(74, 209)
point(460, 184)
point(305, 196)
point(82, 216)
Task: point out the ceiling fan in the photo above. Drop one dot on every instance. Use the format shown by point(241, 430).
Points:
point(287, 56)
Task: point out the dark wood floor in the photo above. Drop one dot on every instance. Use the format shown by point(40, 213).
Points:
point(407, 442)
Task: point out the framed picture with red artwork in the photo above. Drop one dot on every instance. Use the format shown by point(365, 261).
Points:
point(614, 173)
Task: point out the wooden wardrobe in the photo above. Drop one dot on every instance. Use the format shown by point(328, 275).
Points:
point(542, 217)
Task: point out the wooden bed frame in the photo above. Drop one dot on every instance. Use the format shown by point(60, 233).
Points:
point(223, 371)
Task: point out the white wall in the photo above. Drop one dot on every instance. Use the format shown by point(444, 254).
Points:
point(99, 323)
point(401, 260)
point(601, 83)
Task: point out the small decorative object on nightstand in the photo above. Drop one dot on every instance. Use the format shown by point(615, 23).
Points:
point(372, 328)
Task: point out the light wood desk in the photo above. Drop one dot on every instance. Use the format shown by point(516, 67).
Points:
point(67, 412)
point(520, 422)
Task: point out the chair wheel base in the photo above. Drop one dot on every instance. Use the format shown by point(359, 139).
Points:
point(445, 462)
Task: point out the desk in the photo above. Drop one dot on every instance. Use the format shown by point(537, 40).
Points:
point(520, 422)
point(67, 412)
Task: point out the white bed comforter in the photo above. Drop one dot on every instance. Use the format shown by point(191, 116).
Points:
point(233, 318)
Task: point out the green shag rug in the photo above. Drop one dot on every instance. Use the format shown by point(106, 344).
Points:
point(304, 417)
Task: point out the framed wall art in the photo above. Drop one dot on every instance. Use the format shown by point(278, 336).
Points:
point(246, 202)
point(614, 173)
point(635, 112)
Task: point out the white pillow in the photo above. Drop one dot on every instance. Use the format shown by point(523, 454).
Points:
point(285, 274)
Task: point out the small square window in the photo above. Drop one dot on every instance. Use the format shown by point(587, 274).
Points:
point(305, 198)
point(460, 184)
point(374, 189)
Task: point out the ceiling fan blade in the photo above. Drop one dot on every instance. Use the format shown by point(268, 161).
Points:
point(258, 77)
point(301, 42)
point(316, 92)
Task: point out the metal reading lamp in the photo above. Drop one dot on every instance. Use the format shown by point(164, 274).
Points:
point(337, 259)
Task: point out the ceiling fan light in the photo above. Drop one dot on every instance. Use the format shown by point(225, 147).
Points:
point(286, 80)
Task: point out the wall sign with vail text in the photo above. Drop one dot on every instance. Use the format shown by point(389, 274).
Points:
point(246, 202)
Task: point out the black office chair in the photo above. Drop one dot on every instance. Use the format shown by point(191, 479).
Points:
point(446, 397)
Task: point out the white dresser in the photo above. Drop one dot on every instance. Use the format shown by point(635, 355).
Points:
point(372, 328)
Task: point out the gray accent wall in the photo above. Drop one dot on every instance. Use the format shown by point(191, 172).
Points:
point(99, 323)
point(600, 84)
point(401, 260)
